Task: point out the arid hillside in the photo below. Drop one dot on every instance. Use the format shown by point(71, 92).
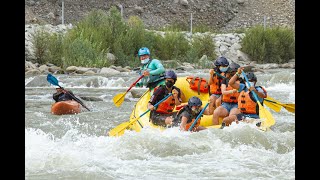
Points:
point(224, 15)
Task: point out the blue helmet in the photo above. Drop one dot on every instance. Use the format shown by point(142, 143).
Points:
point(194, 101)
point(221, 61)
point(171, 74)
point(143, 51)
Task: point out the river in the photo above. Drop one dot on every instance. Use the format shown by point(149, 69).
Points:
point(77, 146)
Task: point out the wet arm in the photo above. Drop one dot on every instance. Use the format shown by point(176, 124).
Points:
point(260, 93)
point(233, 82)
point(209, 110)
point(183, 123)
point(211, 78)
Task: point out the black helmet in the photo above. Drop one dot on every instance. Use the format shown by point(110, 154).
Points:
point(233, 67)
point(221, 61)
point(194, 101)
point(251, 76)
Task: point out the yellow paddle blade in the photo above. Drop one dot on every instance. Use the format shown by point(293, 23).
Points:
point(290, 107)
point(118, 99)
point(265, 116)
point(119, 130)
point(273, 106)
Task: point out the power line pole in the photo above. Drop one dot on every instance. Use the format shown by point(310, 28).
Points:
point(62, 16)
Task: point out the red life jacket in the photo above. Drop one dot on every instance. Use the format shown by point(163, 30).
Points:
point(167, 106)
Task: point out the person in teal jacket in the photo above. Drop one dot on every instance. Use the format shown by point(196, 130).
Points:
point(152, 69)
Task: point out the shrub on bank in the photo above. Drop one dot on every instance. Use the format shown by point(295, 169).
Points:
point(88, 43)
point(270, 45)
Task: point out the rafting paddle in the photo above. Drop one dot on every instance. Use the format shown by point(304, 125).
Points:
point(53, 80)
point(119, 130)
point(271, 101)
point(272, 106)
point(263, 113)
point(195, 121)
point(119, 98)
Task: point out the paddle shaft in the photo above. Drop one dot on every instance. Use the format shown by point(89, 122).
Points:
point(122, 96)
point(134, 120)
point(199, 115)
point(284, 105)
point(134, 83)
point(75, 98)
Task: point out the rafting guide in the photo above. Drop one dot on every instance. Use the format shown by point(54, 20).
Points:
point(152, 70)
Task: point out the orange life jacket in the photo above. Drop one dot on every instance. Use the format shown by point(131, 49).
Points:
point(167, 106)
point(215, 87)
point(231, 98)
point(246, 104)
point(188, 125)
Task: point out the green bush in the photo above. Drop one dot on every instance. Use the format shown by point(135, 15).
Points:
point(55, 49)
point(270, 45)
point(40, 40)
point(99, 33)
point(172, 46)
point(82, 52)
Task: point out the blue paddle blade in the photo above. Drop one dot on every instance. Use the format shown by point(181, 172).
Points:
point(53, 80)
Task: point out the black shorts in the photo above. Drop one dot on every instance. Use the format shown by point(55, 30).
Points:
point(159, 118)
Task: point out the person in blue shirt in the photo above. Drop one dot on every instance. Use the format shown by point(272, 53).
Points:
point(152, 69)
point(247, 105)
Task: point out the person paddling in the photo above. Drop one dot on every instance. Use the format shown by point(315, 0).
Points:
point(188, 114)
point(247, 105)
point(152, 69)
point(229, 97)
point(217, 74)
point(163, 114)
point(62, 95)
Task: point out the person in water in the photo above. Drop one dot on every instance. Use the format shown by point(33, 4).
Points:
point(229, 97)
point(188, 114)
point(217, 74)
point(162, 115)
point(152, 69)
point(62, 95)
point(247, 104)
